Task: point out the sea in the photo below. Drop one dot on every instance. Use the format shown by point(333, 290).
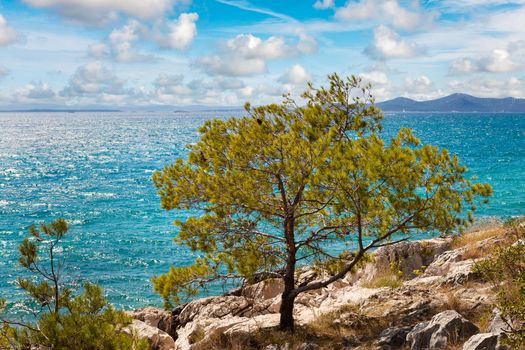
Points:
point(94, 169)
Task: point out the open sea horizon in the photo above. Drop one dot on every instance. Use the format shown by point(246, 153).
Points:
point(94, 169)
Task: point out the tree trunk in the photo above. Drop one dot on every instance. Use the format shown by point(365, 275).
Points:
point(286, 321)
point(288, 296)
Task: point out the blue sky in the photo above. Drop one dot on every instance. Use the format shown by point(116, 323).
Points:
point(227, 52)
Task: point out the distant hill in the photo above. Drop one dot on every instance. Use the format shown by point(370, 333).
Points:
point(455, 103)
point(452, 103)
point(57, 110)
point(130, 108)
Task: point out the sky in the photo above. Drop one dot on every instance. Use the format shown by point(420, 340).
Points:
point(101, 53)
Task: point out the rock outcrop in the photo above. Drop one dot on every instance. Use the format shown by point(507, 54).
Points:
point(410, 256)
point(445, 328)
point(485, 341)
point(393, 337)
point(419, 313)
point(157, 318)
point(158, 339)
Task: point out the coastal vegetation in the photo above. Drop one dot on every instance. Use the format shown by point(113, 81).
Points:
point(61, 320)
point(452, 284)
point(276, 189)
point(505, 269)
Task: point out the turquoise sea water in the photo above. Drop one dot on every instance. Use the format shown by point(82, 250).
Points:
point(94, 169)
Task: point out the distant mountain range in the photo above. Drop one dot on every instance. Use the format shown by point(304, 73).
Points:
point(115, 109)
point(455, 103)
point(449, 104)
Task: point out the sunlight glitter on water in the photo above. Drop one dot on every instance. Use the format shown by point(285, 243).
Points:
point(95, 171)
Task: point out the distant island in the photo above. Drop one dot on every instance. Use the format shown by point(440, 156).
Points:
point(455, 103)
point(458, 102)
point(59, 110)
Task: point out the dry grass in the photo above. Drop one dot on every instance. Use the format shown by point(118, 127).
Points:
point(483, 320)
point(387, 277)
point(330, 331)
point(473, 252)
point(469, 241)
point(453, 302)
point(196, 336)
point(348, 322)
point(390, 281)
point(337, 323)
point(471, 238)
point(260, 339)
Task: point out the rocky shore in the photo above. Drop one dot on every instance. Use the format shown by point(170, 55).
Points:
point(412, 295)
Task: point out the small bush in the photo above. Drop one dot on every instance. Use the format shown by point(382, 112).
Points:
point(389, 281)
point(390, 277)
point(420, 271)
point(483, 321)
point(196, 336)
point(62, 321)
point(453, 302)
point(505, 268)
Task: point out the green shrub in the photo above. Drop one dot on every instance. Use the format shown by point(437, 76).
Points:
point(62, 321)
point(506, 270)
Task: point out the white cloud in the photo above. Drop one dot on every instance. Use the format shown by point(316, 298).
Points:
point(98, 50)
point(164, 80)
point(232, 66)
point(420, 88)
point(221, 83)
point(485, 87)
point(250, 47)
point(181, 32)
point(247, 54)
point(375, 77)
point(121, 43)
point(456, 6)
point(384, 11)
point(93, 79)
point(97, 12)
point(381, 86)
point(295, 75)
point(7, 34)
point(246, 6)
point(171, 89)
point(32, 92)
point(387, 45)
point(419, 84)
point(228, 83)
point(324, 4)
point(384, 88)
point(462, 65)
point(167, 84)
point(505, 60)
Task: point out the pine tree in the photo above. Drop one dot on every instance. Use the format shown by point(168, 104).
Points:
point(62, 321)
point(274, 189)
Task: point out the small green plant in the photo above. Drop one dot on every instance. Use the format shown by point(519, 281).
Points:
point(484, 320)
point(505, 268)
point(426, 249)
point(395, 268)
point(390, 277)
point(420, 271)
point(384, 281)
point(196, 336)
point(62, 321)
